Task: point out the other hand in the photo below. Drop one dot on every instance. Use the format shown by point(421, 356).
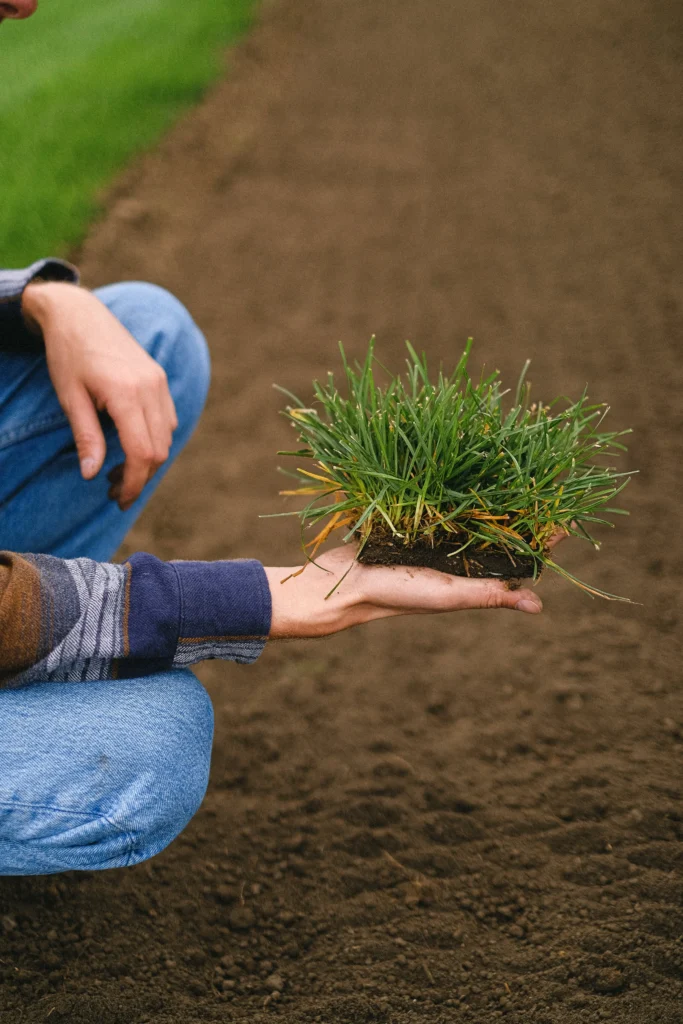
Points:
point(96, 365)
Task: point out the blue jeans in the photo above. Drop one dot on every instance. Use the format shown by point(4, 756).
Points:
point(104, 774)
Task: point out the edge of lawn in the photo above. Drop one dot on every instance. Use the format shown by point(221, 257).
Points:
point(125, 74)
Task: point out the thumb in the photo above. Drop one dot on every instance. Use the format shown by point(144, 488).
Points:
point(87, 431)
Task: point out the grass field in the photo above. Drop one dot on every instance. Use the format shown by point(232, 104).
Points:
point(84, 87)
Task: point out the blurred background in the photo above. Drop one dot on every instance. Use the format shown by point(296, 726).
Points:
point(461, 818)
point(86, 86)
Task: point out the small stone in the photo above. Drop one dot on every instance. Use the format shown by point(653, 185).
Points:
point(274, 983)
point(195, 956)
point(224, 894)
point(241, 918)
point(294, 842)
point(609, 980)
point(9, 924)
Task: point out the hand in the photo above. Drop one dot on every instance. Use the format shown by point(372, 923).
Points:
point(96, 365)
point(368, 592)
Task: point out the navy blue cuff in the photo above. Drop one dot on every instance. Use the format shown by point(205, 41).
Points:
point(225, 610)
point(179, 613)
point(13, 330)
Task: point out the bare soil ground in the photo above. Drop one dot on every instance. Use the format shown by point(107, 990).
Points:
point(471, 818)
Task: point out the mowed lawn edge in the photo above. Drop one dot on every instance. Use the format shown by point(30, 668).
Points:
point(86, 87)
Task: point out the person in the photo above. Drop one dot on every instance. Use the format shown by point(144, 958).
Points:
point(105, 733)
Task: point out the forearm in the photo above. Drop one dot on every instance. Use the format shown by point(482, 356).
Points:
point(76, 619)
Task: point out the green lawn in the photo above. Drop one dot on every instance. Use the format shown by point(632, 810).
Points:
point(85, 85)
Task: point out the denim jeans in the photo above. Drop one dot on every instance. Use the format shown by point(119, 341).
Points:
point(99, 774)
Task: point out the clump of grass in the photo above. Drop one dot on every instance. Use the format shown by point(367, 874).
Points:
point(453, 460)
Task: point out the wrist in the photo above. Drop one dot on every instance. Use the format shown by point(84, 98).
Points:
point(40, 299)
point(302, 606)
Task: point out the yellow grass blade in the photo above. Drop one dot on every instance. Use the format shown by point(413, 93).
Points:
point(316, 476)
point(304, 490)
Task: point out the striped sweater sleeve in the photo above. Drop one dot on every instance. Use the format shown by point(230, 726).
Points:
point(13, 331)
point(75, 620)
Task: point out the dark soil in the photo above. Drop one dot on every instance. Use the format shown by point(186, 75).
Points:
point(473, 817)
point(477, 563)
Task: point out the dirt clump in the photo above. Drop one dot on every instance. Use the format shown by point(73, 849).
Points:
point(475, 563)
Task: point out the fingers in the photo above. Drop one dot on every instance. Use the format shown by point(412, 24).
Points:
point(90, 443)
point(145, 423)
point(401, 590)
point(526, 601)
point(556, 538)
point(488, 593)
point(160, 430)
point(139, 450)
point(169, 407)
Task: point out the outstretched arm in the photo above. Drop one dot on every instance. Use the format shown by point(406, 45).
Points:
point(76, 619)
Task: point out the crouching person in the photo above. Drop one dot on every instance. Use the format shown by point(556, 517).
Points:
point(105, 733)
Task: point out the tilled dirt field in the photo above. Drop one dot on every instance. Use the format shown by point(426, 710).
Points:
point(470, 818)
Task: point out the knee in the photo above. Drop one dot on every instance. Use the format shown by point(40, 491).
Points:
point(165, 329)
point(168, 763)
point(129, 769)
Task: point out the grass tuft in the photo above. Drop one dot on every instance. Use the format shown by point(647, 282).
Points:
point(452, 460)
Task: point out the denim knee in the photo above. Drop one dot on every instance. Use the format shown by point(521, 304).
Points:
point(165, 329)
point(100, 775)
point(167, 766)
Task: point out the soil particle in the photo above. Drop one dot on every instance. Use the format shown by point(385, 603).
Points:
point(608, 980)
point(274, 983)
point(241, 918)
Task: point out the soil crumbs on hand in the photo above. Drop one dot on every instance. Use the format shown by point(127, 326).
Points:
point(468, 818)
